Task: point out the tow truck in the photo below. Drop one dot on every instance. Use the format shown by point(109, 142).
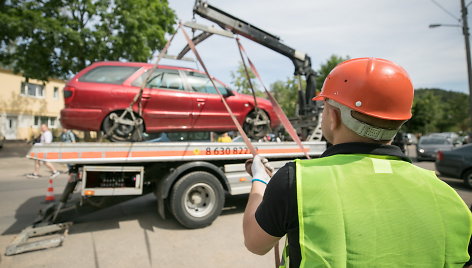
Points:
point(189, 179)
point(309, 112)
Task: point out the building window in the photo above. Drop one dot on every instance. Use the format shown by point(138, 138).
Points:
point(33, 90)
point(56, 92)
point(49, 121)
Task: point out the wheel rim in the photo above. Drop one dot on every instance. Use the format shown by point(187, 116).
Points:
point(199, 200)
point(468, 179)
point(122, 132)
point(257, 124)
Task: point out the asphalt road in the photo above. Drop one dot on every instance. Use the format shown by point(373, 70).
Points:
point(128, 234)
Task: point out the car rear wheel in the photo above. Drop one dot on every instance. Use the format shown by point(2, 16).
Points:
point(122, 130)
point(467, 177)
point(257, 124)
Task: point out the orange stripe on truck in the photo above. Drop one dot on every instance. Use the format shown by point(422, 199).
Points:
point(91, 155)
point(117, 154)
point(161, 153)
point(52, 156)
point(69, 155)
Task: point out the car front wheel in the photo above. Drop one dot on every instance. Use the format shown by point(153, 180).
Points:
point(257, 124)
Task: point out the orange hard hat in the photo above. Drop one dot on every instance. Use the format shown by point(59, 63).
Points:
point(372, 86)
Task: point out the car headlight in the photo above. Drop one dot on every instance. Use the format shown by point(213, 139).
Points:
point(421, 150)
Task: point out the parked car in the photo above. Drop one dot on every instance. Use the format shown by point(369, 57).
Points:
point(174, 99)
point(428, 146)
point(456, 163)
point(450, 135)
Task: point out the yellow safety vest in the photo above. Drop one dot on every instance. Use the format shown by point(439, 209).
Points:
point(378, 211)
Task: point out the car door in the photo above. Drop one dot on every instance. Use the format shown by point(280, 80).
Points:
point(209, 112)
point(166, 104)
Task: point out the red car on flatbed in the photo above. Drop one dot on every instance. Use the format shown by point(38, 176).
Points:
point(174, 99)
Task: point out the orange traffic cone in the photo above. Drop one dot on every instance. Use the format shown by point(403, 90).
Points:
point(50, 193)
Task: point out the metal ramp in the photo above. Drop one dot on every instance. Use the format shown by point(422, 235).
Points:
point(22, 242)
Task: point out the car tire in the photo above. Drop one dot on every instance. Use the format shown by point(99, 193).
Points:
point(121, 133)
point(467, 177)
point(257, 124)
point(197, 199)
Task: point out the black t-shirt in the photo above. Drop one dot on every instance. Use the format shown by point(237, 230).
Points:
point(278, 214)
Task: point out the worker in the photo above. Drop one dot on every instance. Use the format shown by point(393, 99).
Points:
point(362, 203)
point(224, 137)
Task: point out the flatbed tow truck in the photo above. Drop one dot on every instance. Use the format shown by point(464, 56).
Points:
point(189, 179)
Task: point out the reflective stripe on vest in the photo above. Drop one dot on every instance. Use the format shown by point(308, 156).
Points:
point(378, 211)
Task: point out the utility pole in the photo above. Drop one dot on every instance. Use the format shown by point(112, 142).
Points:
point(465, 31)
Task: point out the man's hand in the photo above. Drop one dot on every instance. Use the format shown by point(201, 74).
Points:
point(255, 238)
point(261, 170)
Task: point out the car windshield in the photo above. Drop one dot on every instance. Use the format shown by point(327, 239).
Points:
point(108, 74)
point(429, 141)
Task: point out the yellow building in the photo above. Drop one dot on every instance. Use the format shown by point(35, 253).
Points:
point(25, 105)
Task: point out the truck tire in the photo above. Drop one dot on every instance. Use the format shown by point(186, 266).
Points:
point(197, 199)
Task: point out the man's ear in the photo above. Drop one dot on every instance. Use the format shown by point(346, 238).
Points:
point(335, 118)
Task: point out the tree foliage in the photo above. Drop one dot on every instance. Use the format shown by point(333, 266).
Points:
point(325, 69)
point(437, 110)
point(241, 82)
point(285, 92)
point(58, 38)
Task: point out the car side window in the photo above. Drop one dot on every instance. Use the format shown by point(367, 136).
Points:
point(200, 83)
point(172, 80)
point(108, 74)
point(168, 79)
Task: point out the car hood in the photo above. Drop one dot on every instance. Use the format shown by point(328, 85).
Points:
point(250, 98)
point(435, 147)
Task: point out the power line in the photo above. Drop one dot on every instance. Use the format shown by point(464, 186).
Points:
point(445, 10)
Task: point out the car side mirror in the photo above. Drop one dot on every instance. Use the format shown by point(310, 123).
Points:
point(229, 93)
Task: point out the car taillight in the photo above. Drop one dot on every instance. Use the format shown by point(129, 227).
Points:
point(439, 156)
point(68, 94)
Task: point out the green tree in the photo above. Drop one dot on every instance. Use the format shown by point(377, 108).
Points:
point(241, 83)
point(326, 68)
point(286, 94)
point(58, 38)
point(427, 113)
point(438, 110)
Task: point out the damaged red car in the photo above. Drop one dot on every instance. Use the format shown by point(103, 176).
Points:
point(174, 99)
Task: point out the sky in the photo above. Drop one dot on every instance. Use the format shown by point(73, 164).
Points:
point(391, 29)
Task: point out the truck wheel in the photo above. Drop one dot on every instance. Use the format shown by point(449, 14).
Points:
point(197, 199)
